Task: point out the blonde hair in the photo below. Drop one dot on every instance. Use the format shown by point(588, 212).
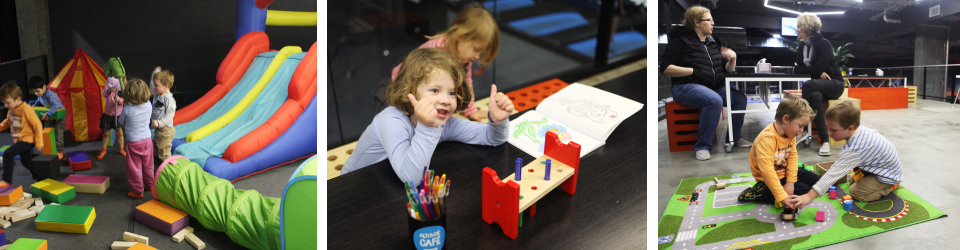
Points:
point(137, 92)
point(416, 71)
point(795, 107)
point(474, 24)
point(10, 90)
point(164, 77)
point(808, 23)
point(693, 15)
point(845, 113)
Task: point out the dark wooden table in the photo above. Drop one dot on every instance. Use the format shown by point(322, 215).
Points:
point(366, 209)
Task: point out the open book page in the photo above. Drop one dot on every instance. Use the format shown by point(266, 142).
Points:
point(591, 110)
point(528, 133)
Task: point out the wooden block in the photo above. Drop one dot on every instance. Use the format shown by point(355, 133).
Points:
point(38, 202)
point(122, 245)
point(23, 215)
point(27, 195)
point(4, 247)
point(183, 233)
point(141, 246)
point(94, 184)
point(128, 236)
point(337, 157)
point(196, 242)
point(162, 217)
point(532, 185)
point(5, 223)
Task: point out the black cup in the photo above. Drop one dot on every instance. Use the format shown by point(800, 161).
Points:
point(432, 233)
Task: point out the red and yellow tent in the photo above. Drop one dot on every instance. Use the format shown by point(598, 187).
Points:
point(79, 85)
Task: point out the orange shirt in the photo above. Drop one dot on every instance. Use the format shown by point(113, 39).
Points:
point(24, 125)
point(772, 158)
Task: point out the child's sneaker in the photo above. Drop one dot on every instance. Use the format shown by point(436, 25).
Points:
point(102, 153)
point(123, 153)
point(60, 156)
point(4, 184)
point(147, 188)
point(751, 194)
point(894, 188)
point(136, 196)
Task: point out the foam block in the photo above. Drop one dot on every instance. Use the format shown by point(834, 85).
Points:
point(3, 237)
point(94, 184)
point(11, 194)
point(833, 194)
point(53, 191)
point(78, 160)
point(141, 246)
point(49, 141)
point(821, 216)
point(28, 244)
point(848, 205)
point(49, 165)
point(165, 218)
point(66, 218)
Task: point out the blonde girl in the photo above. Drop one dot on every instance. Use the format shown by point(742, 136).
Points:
point(135, 120)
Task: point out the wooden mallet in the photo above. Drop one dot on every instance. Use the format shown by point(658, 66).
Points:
point(720, 185)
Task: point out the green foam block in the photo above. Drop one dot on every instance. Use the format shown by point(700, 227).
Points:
point(53, 191)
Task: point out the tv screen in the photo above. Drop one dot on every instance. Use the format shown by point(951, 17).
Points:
point(788, 26)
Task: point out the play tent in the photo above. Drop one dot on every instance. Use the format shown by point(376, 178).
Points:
point(79, 84)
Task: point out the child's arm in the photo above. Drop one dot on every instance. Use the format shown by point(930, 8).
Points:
point(5, 124)
point(170, 107)
point(55, 103)
point(792, 168)
point(408, 155)
point(766, 148)
point(492, 134)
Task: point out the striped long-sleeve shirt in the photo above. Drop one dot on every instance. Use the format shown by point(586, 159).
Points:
point(50, 100)
point(871, 152)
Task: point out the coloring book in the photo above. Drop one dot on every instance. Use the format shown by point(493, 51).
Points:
point(579, 113)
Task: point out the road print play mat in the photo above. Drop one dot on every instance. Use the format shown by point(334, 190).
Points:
point(698, 216)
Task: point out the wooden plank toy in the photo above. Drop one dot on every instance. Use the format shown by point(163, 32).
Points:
point(141, 246)
point(23, 215)
point(93, 184)
point(720, 185)
point(132, 237)
point(196, 242)
point(162, 217)
point(53, 191)
point(122, 245)
point(28, 244)
point(66, 218)
point(503, 202)
point(183, 233)
point(78, 160)
point(11, 194)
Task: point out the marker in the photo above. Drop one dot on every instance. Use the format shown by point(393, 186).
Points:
point(519, 168)
point(427, 207)
point(436, 184)
point(418, 216)
point(546, 177)
point(410, 210)
point(436, 206)
point(442, 179)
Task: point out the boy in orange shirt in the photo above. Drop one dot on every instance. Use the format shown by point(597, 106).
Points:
point(773, 158)
point(25, 128)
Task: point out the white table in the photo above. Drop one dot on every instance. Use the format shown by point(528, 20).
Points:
point(779, 78)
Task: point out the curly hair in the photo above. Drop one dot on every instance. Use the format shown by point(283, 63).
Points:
point(473, 24)
point(693, 15)
point(416, 71)
point(808, 23)
point(137, 92)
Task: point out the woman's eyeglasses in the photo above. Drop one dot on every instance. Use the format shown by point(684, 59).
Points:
point(711, 20)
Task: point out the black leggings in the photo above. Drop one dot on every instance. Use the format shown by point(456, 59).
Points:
point(805, 182)
point(815, 92)
point(25, 151)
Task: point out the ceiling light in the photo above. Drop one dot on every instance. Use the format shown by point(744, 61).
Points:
point(776, 36)
point(798, 13)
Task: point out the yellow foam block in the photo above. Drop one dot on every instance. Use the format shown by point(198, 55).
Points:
point(52, 186)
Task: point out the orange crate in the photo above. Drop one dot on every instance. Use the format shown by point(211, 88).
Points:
point(881, 98)
point(683, 123)
point(531, 96)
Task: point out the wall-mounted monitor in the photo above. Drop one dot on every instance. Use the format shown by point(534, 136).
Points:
point(788, 26)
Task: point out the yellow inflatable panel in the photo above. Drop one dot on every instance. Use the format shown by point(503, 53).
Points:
point(247, 99)
point(291, 18)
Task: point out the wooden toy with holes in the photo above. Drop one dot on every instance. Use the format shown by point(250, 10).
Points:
point(531, 96)
point(483, 106)
point(504, 201)
point(337, 157)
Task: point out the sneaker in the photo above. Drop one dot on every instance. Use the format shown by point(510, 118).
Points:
point(147, 188)
point(825, 149)
point(703, 155)
point(123, 153)
point(60, 156)
point(4, 184)
point(136, 196)
point(102, 154)
point(753, 193)
point(744, 143)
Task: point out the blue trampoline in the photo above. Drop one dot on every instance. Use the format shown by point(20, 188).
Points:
point(504, 5)
point(549, 23)
point(623, 42)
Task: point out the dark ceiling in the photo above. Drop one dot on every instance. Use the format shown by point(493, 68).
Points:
point(874, 40)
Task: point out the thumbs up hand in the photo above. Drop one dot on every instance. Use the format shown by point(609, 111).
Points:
point(500, 105)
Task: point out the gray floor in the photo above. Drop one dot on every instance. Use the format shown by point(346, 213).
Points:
point(115, 210)
point(926, 136)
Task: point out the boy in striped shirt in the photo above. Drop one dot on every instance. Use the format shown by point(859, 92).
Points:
point(870, 155)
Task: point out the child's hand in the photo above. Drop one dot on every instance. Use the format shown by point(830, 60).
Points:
point(426, 112)
point(45, 117)
point(788, 202)
point(500, 105)
point(39, 149)
point(116, 98)
point(801, 200)
point(157, 68)
point(154, 123)
point(788, 188)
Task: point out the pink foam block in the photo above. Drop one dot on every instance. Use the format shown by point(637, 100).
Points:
point(833, 194)
point(95, 184)
point(821, 216)
point(88, 179)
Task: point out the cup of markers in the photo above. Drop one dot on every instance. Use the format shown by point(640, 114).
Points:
point(426, 211)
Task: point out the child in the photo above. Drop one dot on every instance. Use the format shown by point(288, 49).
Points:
point(25, 129)
point(472, 34)
point(50, 100)
point(135, 120)
point(108, 120)
point(773, 158)
point(164, 108)
point(870, 155)
point(429, 89)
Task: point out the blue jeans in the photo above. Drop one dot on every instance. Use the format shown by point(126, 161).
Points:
point(710, 102)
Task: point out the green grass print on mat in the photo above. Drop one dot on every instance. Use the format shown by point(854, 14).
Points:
point(735, 229)
point(847, 227)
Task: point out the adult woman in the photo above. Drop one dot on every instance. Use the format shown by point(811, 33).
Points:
point(815, 57)
point(697, 62)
